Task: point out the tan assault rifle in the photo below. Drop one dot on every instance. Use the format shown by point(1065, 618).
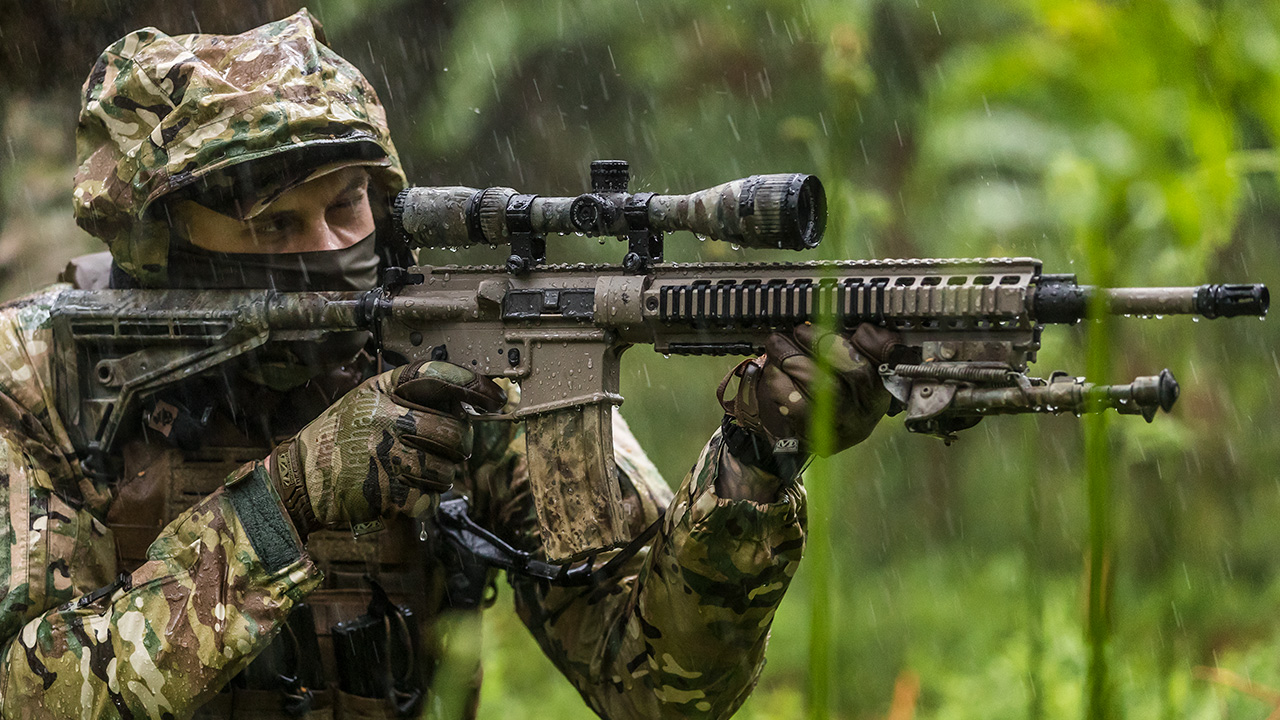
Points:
point(970, 327)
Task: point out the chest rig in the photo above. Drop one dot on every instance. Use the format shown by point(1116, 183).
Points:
point(365, 644)
point(361, 646)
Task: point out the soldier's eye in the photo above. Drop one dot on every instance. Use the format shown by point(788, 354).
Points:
point(272, 230)
point(347, 202)
point(270, 227)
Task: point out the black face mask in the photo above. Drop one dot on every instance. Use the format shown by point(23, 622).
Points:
point(351, 268)
point(282, 365)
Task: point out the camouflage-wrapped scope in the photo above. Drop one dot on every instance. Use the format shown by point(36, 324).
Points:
point(783, 211)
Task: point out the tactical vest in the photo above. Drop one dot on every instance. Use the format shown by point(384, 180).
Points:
point(303, 673)
point(361, 646)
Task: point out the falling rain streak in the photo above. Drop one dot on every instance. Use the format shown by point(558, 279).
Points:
point(1129, 565)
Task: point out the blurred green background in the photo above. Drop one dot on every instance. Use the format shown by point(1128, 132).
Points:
point(1132, 141)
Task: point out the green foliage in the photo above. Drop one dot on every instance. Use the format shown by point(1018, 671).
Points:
point(1131, 143)
point(1141, 130)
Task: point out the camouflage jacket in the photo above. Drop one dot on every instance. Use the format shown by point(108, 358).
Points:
point(681, 633)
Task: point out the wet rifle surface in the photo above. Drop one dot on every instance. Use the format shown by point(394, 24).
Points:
point(970, 327)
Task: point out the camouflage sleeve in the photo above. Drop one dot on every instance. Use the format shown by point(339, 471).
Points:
point(157, 643)
point(680, 632)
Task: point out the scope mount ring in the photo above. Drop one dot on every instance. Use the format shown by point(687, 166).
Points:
point(528, 248)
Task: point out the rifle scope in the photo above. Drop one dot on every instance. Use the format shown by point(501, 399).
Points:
point(786, 211)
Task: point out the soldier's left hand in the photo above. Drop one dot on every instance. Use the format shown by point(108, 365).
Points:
point(775, 394)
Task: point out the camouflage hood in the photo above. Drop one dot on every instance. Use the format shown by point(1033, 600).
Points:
point(164, 113)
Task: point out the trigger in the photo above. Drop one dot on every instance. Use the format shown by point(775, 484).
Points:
point(471, 412)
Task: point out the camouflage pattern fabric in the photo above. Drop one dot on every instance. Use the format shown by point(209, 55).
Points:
point(161, 113)
point(381, 446)
point(679, 632)
point(772, 396)
point(157, 643)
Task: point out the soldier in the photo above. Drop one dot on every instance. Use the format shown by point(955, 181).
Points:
point(210, 568)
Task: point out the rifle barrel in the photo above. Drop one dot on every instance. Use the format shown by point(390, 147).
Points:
point(1059, 300)
point(1211, 301)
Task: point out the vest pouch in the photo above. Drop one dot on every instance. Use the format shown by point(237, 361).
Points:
point(354, 707)
point(265, 705)
point(290, 668)
point(377, 658)
point(240, 704)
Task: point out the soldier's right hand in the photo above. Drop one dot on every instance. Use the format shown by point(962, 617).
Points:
point(384, 443)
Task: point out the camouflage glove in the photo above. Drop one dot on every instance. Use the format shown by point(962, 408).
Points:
point(773, 398)
point(376, 450)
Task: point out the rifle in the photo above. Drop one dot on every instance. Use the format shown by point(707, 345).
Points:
point(970, 327)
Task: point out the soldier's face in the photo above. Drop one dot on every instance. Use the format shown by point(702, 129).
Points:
point(330, 212)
